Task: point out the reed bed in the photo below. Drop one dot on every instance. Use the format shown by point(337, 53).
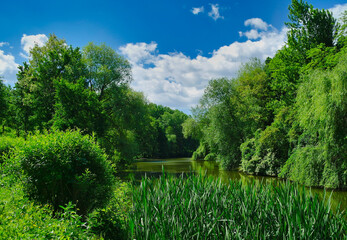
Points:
point(197, 207)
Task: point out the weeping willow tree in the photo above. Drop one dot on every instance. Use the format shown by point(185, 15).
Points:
point(320, 158)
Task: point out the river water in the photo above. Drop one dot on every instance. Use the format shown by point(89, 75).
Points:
point(153, 168)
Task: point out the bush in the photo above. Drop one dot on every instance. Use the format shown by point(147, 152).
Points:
point(200, 152)
point(63, 167)
point(7, 144)
point(267, 151)
point(111, 222)
point(22, 219)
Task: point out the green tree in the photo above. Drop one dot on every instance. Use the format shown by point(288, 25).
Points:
point(76, 106)
point(320, 156)
point(231, 110)
point(106, 69)
point(310, 27)
point(35, 88)
point(3, 102)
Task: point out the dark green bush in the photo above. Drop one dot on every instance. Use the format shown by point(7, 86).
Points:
point(62, 167)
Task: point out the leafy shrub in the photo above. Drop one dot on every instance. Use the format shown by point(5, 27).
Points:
point(111, 222)
point(6, 145)
point(210, 157)
point(266, 153)
point(22, 219)
point(200, 152)
point(62, 167)
point(203, 208)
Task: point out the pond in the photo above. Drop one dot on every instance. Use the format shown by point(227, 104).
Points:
point(153, 168)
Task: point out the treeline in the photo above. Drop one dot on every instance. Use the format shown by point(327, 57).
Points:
point(62, 87)
point(286, 117)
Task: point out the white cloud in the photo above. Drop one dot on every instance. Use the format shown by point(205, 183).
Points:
point(8, 66)
point(198, 10)
point(252, 34)
point(214, 13)
point(29, 41)
point(257, 23)
point(178, 81)
point(338, 9)
point(3, 44)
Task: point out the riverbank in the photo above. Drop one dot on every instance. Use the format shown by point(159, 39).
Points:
point(176, 166)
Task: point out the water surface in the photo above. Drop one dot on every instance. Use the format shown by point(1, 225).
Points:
point(177, 166)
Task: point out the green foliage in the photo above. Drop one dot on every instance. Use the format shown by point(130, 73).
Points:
point(22, 219)
point(191, 128)
point(35, 90)
point(111, 222)
point(62, 167)
point(201, 152)
point(75, 106)
point(310, 27)
point(268, 150)
point(106, 69)
point(232, 110)
point(3, 101)
point(200, 208)
point(7, 145)
point(283, 71)
point(320, 157)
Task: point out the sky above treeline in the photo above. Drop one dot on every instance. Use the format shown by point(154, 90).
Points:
point(175, 46)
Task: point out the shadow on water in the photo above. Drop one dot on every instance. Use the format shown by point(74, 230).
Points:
point(177, 166)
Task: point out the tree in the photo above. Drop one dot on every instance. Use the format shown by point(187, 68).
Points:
point(310, 27)
point(35, 88)
point(319, 158)
point(106, 68)
point(3, 103)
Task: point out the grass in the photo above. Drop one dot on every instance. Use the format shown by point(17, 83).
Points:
point(197, 207)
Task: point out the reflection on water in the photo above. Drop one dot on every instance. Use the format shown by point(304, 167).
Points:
point(153, 168)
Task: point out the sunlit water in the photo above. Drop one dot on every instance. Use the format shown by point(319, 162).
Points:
point(177, 166)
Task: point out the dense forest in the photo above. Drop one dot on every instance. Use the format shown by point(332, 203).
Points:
point(62, 87)
point(286, 117)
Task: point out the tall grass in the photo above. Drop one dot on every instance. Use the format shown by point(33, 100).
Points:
point(197, 207)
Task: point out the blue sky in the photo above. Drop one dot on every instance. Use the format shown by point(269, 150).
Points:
point(175, 46)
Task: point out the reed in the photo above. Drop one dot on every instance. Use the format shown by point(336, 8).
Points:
point(197, 207)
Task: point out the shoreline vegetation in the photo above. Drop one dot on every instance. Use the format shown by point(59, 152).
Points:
point(72, 122)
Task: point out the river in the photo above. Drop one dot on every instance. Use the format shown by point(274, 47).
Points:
point(153, 168)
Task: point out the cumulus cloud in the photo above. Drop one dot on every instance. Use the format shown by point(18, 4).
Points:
point(214, 13)
point(338, 9)
point(29, 41)
point(198, 10)
point(252, 34)
point(178, 81)
point(8, 66)
point(259, 28)
point(257, 23)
